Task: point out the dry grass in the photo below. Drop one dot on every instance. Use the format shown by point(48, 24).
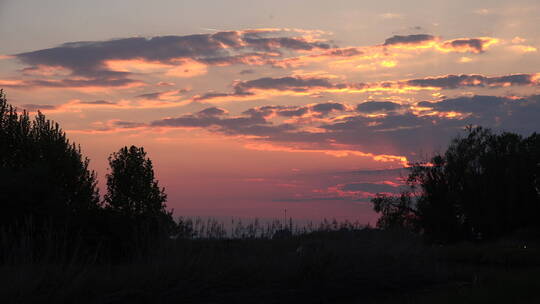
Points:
point(326, 264)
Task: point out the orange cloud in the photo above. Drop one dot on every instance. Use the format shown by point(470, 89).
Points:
point(183, 68)
point(45, 70)
point(467, 45)
point(521, 48)
point(312, 85)
point(402, 160)
point(188, 68)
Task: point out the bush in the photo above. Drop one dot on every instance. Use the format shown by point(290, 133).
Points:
point(484, 186)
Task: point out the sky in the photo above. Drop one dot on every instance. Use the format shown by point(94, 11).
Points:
point(248, 108)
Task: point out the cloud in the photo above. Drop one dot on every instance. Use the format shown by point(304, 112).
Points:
point(163, 95)
point(310, 110)
point(247, 71)
point(472, 45)
point(377, 106)
point(395, 46)
point(460, 45)
point(521, 48)
point(328, 107)
point(165, 84)
point(473, 80)
point(74, 105)
point(213, 118)
point(312, 85)
point(126, 124)
point(289, 83)
point(476, 104)
point(393, 138)
point(37, 107)
point(111, 63)
point(94, 65)
point(257, 88)
point(415, 39)
point(88, 84)
point(97, 102)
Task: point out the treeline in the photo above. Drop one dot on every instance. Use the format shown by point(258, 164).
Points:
point(46, 185)
point(485, 186)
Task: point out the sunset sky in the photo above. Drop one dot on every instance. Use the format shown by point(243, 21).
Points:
point(249, 107)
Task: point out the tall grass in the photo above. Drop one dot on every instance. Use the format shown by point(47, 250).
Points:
point(210, 228)
point(210, 262)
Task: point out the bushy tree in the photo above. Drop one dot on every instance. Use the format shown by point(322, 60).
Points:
point(42, 175)
point(484, 186)
point(133, 191)
point(396, 211)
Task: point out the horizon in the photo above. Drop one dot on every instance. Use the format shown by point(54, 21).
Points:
point(312, 107)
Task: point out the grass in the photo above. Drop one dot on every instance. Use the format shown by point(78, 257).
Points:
point(329, 263)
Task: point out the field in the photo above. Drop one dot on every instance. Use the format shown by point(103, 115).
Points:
point(324, 265)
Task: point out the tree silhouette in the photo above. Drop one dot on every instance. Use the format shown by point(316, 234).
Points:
point(396, 211)
point(484, 186)
point(133, 191)
point(42, 175)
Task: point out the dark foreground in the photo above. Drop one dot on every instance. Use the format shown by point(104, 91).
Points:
point(360, 266)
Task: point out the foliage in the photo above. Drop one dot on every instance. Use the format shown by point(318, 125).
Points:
point(396, 212)
point(133, 191)
point(484, 186)
point(42, 174)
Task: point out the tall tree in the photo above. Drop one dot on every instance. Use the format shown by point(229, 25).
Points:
point(132, 189)
point(484, 186)
point(42, 174)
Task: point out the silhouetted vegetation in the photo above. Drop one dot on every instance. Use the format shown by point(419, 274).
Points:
point(43, 177)
point(60, 243)
point(484, 186)
point(46, 185)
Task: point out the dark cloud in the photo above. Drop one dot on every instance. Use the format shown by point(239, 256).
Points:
point(408, 133)
point(268, 44)
point(325, 108)
point(408, 39)
point(163, 95)
point(88, 58)
point(75, 83)
point(214, 118)
point(320, 109)
point(284, 111)
point(456, 81)
point(472, 43)
point(214, 95)
point(314, 85)
point(213, 111)
point(154, 95)
point(345, 52)
point(293, 112)
point(377, 106)
point(36, 107)
point(126, 124)
point(247, 71)
point(475, 104)
point(289, 83)
point(97, 102)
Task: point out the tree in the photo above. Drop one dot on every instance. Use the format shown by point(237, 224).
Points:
point(396, 211)
point(42, 175)
point(484, 186)
point(133, 191)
